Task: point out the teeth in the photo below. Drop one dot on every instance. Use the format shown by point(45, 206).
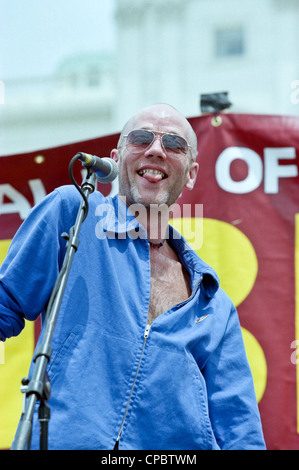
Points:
point(154, 172)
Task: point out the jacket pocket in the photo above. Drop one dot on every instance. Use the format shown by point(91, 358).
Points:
point(200, 392)
point(61, 357)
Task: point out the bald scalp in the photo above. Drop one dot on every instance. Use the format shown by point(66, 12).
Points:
point(164, 109)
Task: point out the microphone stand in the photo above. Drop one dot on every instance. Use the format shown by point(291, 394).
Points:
point(38, 388)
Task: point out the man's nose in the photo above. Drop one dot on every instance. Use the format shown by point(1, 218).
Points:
point(156, 148)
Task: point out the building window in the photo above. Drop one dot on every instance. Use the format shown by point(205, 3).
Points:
point(229, 42)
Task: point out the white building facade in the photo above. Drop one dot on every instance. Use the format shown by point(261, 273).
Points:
point(179, 50)
point(167, 51)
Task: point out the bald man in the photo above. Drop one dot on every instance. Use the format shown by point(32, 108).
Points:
point(147, 351)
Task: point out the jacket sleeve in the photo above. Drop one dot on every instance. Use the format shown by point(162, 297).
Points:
point(32, 264)
point(232, 401)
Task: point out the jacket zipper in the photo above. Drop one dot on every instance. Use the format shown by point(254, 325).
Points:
point(145, 336)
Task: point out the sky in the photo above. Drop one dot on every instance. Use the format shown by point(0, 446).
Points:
point(35, 35)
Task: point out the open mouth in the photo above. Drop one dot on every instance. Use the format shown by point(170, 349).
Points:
point(152, 175)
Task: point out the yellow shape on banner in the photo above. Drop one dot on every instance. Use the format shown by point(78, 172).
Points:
point(226, 249)
point(4, 244)
point(16, 356)
point(232, 255)
point(192, 229)
point(2, 353)
point(257, 363)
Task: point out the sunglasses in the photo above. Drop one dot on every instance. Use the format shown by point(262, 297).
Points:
point(139, 140)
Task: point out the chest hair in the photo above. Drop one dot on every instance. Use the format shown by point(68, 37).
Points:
point(170, 284)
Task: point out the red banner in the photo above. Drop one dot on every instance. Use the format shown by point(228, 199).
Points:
point(248, 185)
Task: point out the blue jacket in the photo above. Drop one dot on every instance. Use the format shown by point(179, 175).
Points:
point(185, 383)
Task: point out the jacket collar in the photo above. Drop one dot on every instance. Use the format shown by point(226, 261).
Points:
point(191, 260)
point(120, 220)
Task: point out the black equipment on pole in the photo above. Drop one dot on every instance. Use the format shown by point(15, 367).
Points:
point(214, 102)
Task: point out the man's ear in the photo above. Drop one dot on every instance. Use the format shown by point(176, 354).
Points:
point(191, 176)
point(114, 155)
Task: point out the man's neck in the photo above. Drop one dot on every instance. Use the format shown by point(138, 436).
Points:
point(154, 218)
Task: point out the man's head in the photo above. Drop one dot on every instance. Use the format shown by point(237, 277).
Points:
point(155, 167)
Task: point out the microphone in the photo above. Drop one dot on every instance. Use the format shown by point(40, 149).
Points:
point(106, 169)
